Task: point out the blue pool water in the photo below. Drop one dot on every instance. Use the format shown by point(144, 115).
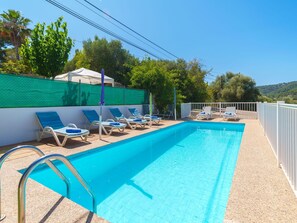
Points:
point(182, 173)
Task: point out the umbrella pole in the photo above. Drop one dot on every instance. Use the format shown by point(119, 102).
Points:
point(100, 123)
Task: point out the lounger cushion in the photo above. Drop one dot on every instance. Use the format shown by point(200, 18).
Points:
point(134, 111)
point(107, 124)
point(73, 130)
point(91, 115)
point(50, 119)
point(137, 120)
point(114, 123)
point(62, 131)
point(229, 113)
point(155, 117)
point(116, 112)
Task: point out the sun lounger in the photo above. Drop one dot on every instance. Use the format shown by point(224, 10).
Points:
point(51, 123)
point(205, 113)
point(107, 126)
point(230, 113)
point(132, 122)
point(136, 114)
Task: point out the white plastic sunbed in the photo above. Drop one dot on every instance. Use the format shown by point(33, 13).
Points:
point(107, 126)
point(132, 122)
point(230, 113)
point(51, 123)
point(205, 113)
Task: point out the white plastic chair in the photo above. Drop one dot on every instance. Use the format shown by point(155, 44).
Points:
point(205, 114)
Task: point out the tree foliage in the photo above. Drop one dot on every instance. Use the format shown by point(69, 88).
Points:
point(188, 79)
point(152, 75)
point(14, 67)
point(234, 87)
point(99, 53)
point(48, 48)
point(161, 76)
point(2, 50)
point(13, 29)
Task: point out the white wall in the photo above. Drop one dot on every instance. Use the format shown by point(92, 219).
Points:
point(19, 125)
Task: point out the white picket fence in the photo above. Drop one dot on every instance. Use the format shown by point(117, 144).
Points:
point(279, 121)
point(243, 109)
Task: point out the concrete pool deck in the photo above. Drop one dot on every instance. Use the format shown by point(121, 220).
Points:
point(260, 191)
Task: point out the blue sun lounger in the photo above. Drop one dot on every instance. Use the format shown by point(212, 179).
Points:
point(136, 114)
point(132, 122)
point(51, 123)
point(107, 126)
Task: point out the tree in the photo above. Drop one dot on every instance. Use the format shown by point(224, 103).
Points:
point(99, 53)
point(234, 87)
point(13, 67)
point(13, 28)
point(152, 76)
point(48, 49)
point(263, 98)
point(79, 60)
point(2, 50)
point(195, 86)
point(188, 79)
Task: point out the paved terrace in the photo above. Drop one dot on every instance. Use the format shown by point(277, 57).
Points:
point(260, 191)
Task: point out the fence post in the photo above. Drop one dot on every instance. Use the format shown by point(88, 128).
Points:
point(257, 108)
point(264, 117)
point(124, 96)
point(190, 114)
point(79, 93)
point(277, 132)
point(220, 107)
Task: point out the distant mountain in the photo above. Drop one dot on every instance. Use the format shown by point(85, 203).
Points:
point(280, 90)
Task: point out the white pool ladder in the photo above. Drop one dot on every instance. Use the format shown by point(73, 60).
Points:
point(43, 159)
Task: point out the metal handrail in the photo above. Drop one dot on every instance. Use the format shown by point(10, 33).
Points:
point(40, 153)
point(30, 169)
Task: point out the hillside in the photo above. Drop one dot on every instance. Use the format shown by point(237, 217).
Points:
point(280, 90)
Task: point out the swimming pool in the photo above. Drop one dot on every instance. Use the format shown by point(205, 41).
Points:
point(182, 173)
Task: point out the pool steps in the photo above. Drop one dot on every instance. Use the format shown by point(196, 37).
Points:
point(42, 159)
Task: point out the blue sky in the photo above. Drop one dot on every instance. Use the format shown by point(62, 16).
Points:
point(255, 38)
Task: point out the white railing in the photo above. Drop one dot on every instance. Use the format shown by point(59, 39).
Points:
point(279, 122)
point(243, 109)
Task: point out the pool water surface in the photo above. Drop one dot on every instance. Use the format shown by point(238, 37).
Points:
point(181, 173)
